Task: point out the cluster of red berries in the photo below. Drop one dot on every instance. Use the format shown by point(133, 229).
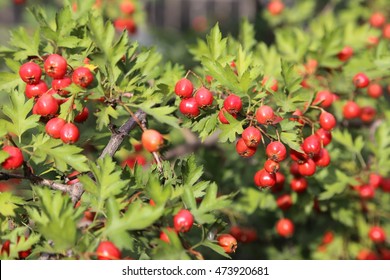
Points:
point(378, 20)
point(126, 20)
point(190, 103)
point(46, 105)
point(136, 157)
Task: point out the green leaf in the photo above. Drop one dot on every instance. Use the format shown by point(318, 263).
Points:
point(161, 114)
point(26, 45)
point(104, 116)
point(292, 80)
point(8, 203)
point(229, 131)
point(191, 171)
point(9, 80)
point(247, 35)
point(215, 43)
point(292, 140)
point(216, 248)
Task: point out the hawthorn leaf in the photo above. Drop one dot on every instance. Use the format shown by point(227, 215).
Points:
point(9, 203)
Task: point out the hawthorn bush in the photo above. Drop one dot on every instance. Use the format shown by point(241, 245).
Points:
point(260, 151)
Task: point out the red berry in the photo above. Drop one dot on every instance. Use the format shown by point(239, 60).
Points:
point(374, 90)
point(284, 201)
point(345, 54)
point(69, 133)
point(59, 85)
point(132, 160)
point(55, 66)
point(307, 168)
point(127, 7)
point(30, 73)
point(5, 248)
point(264, 179)
point(351, 110)
point(183, 221)
point(280, 179)
point(108, 251)
point(377, 19)
point(232, 104)
point(366, 255)
point(53, 127)
point(377, 234)
point(184, 88)
point(164, 237)
point(265, 115)
point(298, 184)
point(385, 184)
point(33, 90)
point(361, 80)
point(189, 107)
point(46, 105)
point(243, 150)
point(324, 98)
point(275, 7)
point(271, 166)
point(15, 159)
point(276, 151)
point(251, 136)
point(227, 242)
point(375, 180)
point(322, 159)
point(82, 116)
point(366, 191)
point(367, 114)
point(327, 121)
point(222, 118)
point(126, 23)
point(325, 136)
point(385, 32)
point(294, 169)
point(82, 77)
point(297, 156)
point(242, 234)
point(204, 97)
point(285, 227)
point(273, 84)
point(328, 237)
point(311, 145)
point(152, 140)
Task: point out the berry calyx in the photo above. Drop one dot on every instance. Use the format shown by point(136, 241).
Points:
point(152, 140)
point(233, 104)
point(189, 107)
point(30, 73)
point(69, 133)
point(264, 179)
point(243, 150)
point(55, 66)
point(53, 127)
point(108, 251)
point(15, 159)
point(251, 136)
point(377, 234)
point(183, 220)
point(285, 227)
point(265, 115)
point(360, 80)
point(82, 77)
point(184, 88)
point(327, 121)
point(204, 97)
point(276, 151)
point(227, 242)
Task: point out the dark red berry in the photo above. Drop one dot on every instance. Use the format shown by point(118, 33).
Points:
point(265, 115)
point(55, 66)
point(189, 107)
point(307, 168)
point(345, 54)
point(360, 80)
point(271, 166)
point(311, 145)
point(351, 110)
point(183, 221)
point(82, 77)
point(30, 73)
point(108, 251)
point(243, 150)
point(264, 179)
point(324, 98)
point(69, 133)
point(53, 127)
point(204, 97)
point(367, 114)
point(251, 136)
point(82, 116)
point(222, 118)
point(46, 105)
point(184, 88)
point(377, 234)
point(276, 151)
point(322, 159)
point(15, 159)
point(325, 136)
point(298, 184)
point(284, 201)
point(59, 85)
point(327, 121)
point(285, 227)
point(280, 180)
point(233, 104)
point(34, 90)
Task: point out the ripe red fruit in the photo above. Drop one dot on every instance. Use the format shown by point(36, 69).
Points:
point(273, 84)
point(243, 234)
point(265, 115)
point(53, 127)
point(345, 54)
point(127, 7)
point(366, 191)
point(108, 251)
point(82, 77)
point(297, 156)
point(46, 105)
point(377, 19)
point(367, 114)
point(243, 150)
point(15, 159)
point(271, 166)
point(322, 159)
point(375, 180)
point(5, 248)
point(327, 238)
point(366, 254)
point(284, 201)
point(59, 85)
point(69, 133)
point(361, 80)
point(351, 110)
point(285, 227)
point(307, 168)
point(132, 160)
point(275, 7)
point(126, 23)
point(33, 90)
point(324, 98)
point(377, 234)
point(375, 90)
point(264, 179)
point(311, 145)
point(152, 140)
point(30, 73)
point(294, 169)
point(204, 97)
point(280, 179)
point(324, 135)
point(184, 88)
point(164, 237)
point(327, 121)
point(276, 151)
point(189, 107)
point(222, 118)
point(55, 66)
point(385, 184)
point(385, 32)
point(232, 104)
point(227, 242)
point(251, 136)
point(82, 116)
point(298, 184)
point(183, 221)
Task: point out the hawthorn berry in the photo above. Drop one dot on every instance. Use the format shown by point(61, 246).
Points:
point(366, 191)
point(222, 118)
point(264, 179)
point(46, 105)
point(183, 220)
point(327, 238)
point(227, 242)
point(377, 19)
point(69, 133)
point(82, 77)
point(284, 201)
point(189, 107)
point(243, 234)
point(351, 110)
point(276, 151)
point(279, 184)
point(275, 7)
point(53, 127)
point(127, 7)
point(375, 180)
point(34, 90)
point(375, 90)
point(327, 121)
point(82, 116)
point(360, 80)
point(367, 114)
point(307, 168)
point(251, 136)
point(377, 234)
point(106, 250)
point(322, 159)
point(59, 85)
point(345, 54)
point(232, 104)
point(294, 169)
point(164, 237)
point(298, 184)
point(285, 227)
point(324, 98)
point(297, 156)
point(366, 254)
point(126, 23)
point(271, 166)
point(243, 150)
point(325, 136)
point(152, 140)
point(385, 32)
point(30, 73)
point(55, 66)
point(131, 160)
point(273, 85)
point(15, 159)
point(184, 88)
point(265, 115)
point(204, 97)
point(311, 145)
